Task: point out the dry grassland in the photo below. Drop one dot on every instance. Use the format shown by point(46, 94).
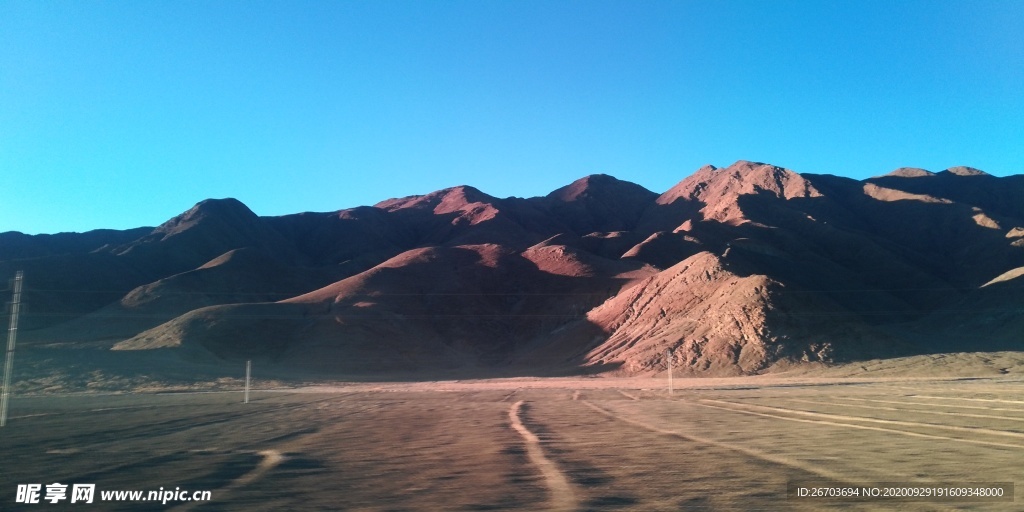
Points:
point(526, 444)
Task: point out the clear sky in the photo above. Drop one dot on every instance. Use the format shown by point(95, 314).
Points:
point(123, 114)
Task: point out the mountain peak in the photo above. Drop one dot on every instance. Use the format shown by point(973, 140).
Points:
point(966, 171)
point(214, 206)
point(453, 198)
point(747, 177)
point(230, 209)
point(741, 178)
point(748, 164)
point(910, 172)
point(595, 185)
point(599, 203)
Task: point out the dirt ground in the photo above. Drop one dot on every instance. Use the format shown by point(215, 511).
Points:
point(526, 444)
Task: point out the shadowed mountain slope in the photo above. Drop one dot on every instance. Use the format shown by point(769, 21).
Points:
point(424, 306)
point(598, 203)
point(737, 269)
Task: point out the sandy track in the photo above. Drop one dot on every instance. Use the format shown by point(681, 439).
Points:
point(271, 459)
point(970, 399)
point(149, 430)
point(562, 495)
point(775, 459)
point(102, 409)
point(915, 411)
point(926, 404)
point(863, 427)
point(628, 395)
point(954, 428)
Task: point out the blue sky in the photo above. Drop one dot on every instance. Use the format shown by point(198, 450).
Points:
point(124, 114)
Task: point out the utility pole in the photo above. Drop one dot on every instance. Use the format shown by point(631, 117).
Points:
point(248, 373)
point(12, 335)
point(668, 359)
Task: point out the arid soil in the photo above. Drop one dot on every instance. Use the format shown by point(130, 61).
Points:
point(527, 443)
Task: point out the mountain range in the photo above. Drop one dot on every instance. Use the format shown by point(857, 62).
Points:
point(739, 270)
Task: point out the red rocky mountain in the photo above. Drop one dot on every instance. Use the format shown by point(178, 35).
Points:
point(738, 269)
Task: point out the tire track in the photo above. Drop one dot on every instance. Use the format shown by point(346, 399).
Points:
point(899, 402)
point(157, 457)
point(971, 399)
point(102, 409)
point(562, 495)
point(955, 428)
point(271, 459)
point(628, 395)
point(916, 411)
point(863, 427)
point(164, 427)
point(757, 454)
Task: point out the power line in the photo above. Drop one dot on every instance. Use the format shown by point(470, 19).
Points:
point(789, 289)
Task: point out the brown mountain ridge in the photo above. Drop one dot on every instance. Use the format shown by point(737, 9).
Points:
point(739, 270)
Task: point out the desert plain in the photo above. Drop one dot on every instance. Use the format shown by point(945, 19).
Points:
point(460, 351)
point(528, 443)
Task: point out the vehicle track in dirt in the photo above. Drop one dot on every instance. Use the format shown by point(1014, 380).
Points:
point(562, 496)
point(862, 427)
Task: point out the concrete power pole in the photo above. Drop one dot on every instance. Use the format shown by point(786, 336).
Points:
point(12, 335)
point(248, 374)
point(668, 359)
